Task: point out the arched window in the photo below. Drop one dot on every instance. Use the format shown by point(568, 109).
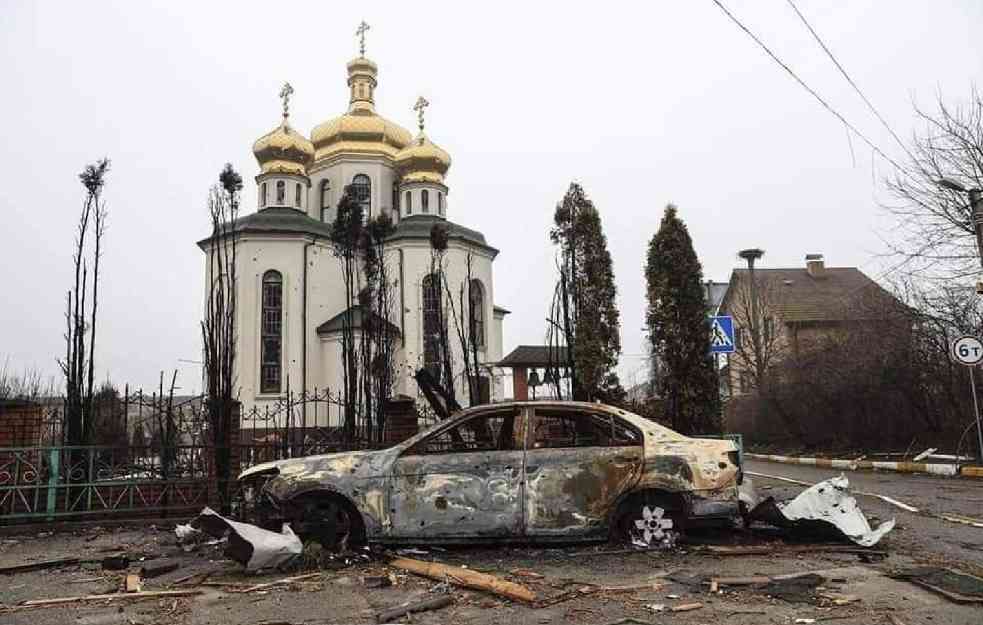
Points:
point(424, 201)
point(440, 202)
point(297, 195)
point(409, 203)
point(281, 192)
point(362, 190)
point(271, 333)
point(396, 199)
point(262, 196)
point(432, 325)
point(476, 312)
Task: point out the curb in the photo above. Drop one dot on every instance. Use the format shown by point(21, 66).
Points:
point(947, 470)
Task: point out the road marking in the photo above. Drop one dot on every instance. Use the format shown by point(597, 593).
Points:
point(893, 502)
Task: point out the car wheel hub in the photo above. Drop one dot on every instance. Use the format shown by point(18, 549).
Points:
point(654, 528)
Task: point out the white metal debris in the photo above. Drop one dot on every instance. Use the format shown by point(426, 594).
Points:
point(830, 501)
point(252, 546)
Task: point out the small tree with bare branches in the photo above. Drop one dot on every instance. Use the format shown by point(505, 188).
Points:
point(218, 328)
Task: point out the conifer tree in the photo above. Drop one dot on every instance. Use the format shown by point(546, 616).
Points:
point(679, 330)
point(584, 313)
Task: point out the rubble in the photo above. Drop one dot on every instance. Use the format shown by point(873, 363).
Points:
point(251, 546)
point(955, 586)
point(434, 603)
point(463, 577)
point(823, 508)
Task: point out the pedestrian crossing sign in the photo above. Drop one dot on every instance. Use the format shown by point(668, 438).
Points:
point(721, 334)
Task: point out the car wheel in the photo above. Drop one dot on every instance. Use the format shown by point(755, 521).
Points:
point(651, 522)
point(327, 521)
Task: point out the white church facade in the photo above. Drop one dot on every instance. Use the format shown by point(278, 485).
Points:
point(291, 292)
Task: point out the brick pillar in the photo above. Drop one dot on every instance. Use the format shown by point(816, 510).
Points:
point(520, 383)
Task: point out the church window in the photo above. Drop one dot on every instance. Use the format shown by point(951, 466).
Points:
point(432, 330)
point(325, 194)
point(271, 333)
point(297, 195)
point(281, 192)
point(476, 297)
point(440, 202)
point(409, 203)
point(362, 192)
point(395, 200)
point(262, 195)
point(424, 201)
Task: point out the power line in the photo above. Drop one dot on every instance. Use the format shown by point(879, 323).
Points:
point(829, 53)
point(803, 84)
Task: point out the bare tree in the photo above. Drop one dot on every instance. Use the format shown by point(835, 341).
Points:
point(378, 331)
point(218, 328)
point(436, 330)
point(29, 384)
point(80, 318)
point(934, 235)
point(465, 316)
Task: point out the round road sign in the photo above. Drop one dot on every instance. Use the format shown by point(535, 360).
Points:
point(967, 350)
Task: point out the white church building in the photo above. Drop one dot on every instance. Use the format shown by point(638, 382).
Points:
point(291, 293)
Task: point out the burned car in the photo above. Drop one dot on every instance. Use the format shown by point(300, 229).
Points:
point(526, 471)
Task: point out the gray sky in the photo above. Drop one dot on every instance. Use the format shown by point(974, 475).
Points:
point(643, 103)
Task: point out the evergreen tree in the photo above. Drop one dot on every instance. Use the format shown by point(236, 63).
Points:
point(679, 329)
point(584, 307)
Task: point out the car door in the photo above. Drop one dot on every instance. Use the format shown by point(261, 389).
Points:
point(463, 481)
point(578, 462)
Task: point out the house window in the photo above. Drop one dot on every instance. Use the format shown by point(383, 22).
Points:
point(271, 333)
point(297, 195)
point(325, 195)
point(262, 195)
point(409, 203)
point(281, 192)
point(432, 330)
point(476, 297)
point(424, 201)
point(362, 193)
point(440, 202)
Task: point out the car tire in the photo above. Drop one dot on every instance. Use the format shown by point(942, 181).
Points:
point(650, 520)
point(329, 521)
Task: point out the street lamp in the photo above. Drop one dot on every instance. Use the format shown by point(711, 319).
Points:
point(976, 210)
point(976, 207)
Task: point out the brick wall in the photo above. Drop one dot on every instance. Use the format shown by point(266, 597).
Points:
point(20, 423)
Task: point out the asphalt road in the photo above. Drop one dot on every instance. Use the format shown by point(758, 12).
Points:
point(918, 533)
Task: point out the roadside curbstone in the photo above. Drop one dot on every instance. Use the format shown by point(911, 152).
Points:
point(947, 470)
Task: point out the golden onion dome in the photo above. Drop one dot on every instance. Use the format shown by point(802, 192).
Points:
point(283, 151)
point(361, 130)
point(423, 161)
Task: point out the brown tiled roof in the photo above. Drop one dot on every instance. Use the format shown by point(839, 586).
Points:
point(532, 356)
point(841, 294)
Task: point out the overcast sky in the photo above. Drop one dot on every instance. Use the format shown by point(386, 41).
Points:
point(642, 103)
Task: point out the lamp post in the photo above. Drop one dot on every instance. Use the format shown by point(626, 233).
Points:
point(750, 256)
point(976, 209)
point(976, 212)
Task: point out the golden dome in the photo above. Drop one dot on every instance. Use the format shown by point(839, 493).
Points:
point(283, 151)
point(359, 132)
point(423, 161)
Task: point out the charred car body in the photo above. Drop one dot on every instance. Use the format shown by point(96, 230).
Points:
point(523, 471)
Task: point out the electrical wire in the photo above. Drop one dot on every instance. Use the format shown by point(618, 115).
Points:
point(870, 105)
point(805, 86)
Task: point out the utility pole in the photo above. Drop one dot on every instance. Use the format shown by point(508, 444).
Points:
point(976, 217)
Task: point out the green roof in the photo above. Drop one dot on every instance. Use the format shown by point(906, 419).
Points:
point(418, 227)
point(279, 221)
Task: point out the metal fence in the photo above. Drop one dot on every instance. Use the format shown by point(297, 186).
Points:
point(154, 455)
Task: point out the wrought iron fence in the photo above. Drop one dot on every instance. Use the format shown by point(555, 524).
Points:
point(154, 454)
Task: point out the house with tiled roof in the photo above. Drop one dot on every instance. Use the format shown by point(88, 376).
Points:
point(796, 309)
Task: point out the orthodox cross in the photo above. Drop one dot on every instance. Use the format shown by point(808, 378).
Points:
point(360, 31)
point(420, 107)
point(285, 96)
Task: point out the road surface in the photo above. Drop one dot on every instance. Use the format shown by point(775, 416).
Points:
point(922, 533)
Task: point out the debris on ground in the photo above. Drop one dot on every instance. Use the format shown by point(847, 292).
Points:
point(132, 583)
point(954, 585)
point(37, 566)
point(147, 594)
point(686, 607)
point(465, 577)
point(434, 603)
point(249, 545)
point(826, 508)
point(116, 563)
point(158, 568)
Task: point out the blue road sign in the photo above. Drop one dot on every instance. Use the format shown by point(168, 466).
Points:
point(721, 335)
